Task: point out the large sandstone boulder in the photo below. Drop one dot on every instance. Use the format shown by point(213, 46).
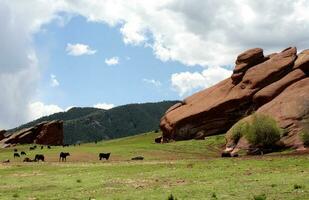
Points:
point(276, 85)
point(47, 133)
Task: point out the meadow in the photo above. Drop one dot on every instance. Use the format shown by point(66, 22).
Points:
point(187, 170)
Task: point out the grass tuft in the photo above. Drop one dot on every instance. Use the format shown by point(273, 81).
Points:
point(297, 186)
point(259, 197)
point(171, 197)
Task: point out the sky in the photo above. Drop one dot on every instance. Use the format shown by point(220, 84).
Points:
point(59, 54)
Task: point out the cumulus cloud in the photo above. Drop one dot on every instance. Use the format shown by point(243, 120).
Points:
point(186, 82)
point(203, 32)
point(105, 106)
point(152, 82)
point(19, 65)
point(39, 109)
point(79, 49)
point(53, 81)
point(112, 61)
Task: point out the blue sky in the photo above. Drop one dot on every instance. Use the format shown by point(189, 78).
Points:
point(87, 80)
point(58, 53)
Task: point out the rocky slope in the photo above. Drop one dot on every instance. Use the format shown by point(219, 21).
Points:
point(46, 133)
point(276, 84)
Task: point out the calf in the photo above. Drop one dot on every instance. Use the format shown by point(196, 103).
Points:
point(138, 158)
point(27, 160)
point(23, 153)
point(16, 155)
point(63, 156)
point(6, 161)
point(39, 157)
point(226, 154)
point(104, 156)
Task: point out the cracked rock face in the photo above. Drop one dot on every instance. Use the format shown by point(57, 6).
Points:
point(277, 85)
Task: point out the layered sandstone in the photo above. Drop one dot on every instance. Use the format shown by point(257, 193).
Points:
point(277, 85)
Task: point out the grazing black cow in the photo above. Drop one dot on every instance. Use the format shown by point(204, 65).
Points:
point(16, 155)
point(6, 161)
point(34, 146)
point(23, 153)
point(48, 147)
point(39, 157)
point(226, 154)
point(31, 148)
point(42, 147)
point(15, 150)
point(27, 160)
point(138, 158)
point(104, 156)
point(63, 156)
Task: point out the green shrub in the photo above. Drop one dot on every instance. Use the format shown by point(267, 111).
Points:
point(305, 137)
point(239, 130)
point(264, 131)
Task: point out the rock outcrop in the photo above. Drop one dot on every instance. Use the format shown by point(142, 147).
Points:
point(277, 85)
point(46, 133)
point(2, 132)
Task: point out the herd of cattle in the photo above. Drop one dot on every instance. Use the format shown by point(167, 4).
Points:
point(62, 156)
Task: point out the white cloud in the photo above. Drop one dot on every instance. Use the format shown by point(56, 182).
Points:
point(39, 109)
point(186, 82)
point(79, 49)
point(53, 81)
point(104, 106)
point(153, 82)
point(112, 61)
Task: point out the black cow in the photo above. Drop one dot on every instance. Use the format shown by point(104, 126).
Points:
point(65, 145)
point(226, 154)
point(15, 150)
point(63, 156)
point(6, 161)
point(16, 155)
point(48, 147)
point(39, 157)
point(138, 158)
point(31, 148)
point(23, 153)
point(42, 147)
point(104, 156)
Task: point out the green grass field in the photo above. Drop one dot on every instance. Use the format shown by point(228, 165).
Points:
point(186, 169)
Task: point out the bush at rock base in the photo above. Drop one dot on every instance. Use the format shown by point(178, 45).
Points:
point(264, 131)
point(305, 137)
point(261, 131)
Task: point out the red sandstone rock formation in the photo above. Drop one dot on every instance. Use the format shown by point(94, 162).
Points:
point(46, 133)
point(277, 85)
